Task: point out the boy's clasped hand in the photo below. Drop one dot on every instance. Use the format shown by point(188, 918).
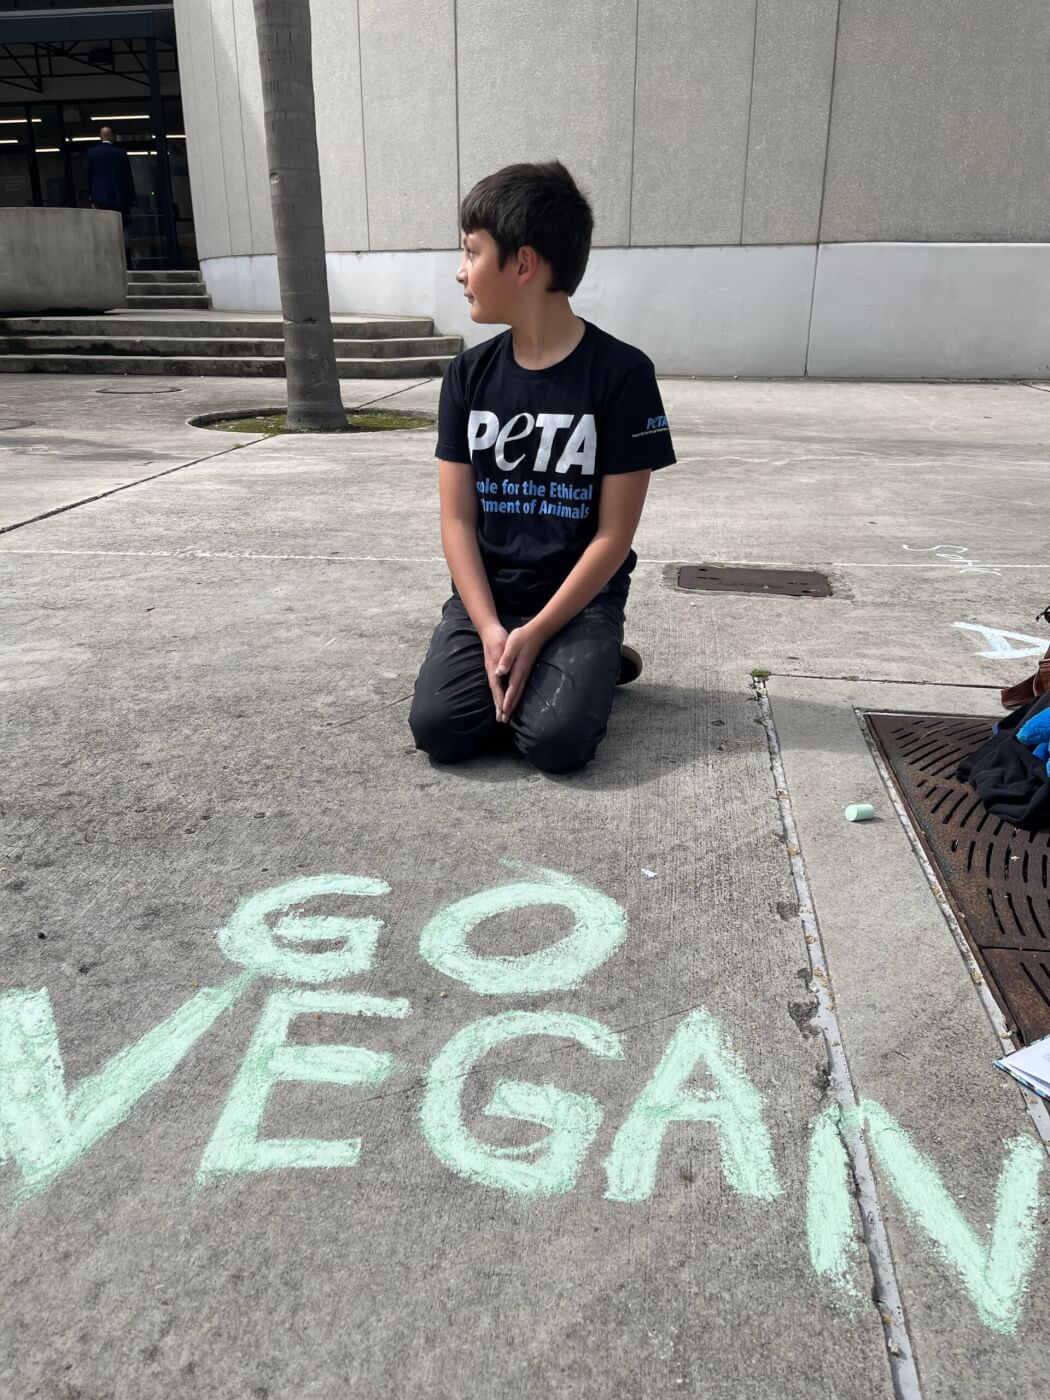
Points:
point(509, 659)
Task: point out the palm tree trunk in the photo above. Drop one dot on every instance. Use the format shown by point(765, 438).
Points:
point(282, 29)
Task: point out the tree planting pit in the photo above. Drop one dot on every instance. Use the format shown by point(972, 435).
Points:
point(271, 421)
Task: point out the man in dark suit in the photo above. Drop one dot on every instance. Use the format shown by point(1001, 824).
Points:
point(110, 182)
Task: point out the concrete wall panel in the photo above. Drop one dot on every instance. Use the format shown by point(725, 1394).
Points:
point(717, 311)
point(337, 98)
point(227, 143)
point(392, 283)
point(247, 283)
point(932, 310)
point(939, 124)
point(253, 136)
point(790, 103)
point(387, 283)
point(408, 74)
point(201, 112)
point(199, 109)
point(690, 142)
point(551, 80)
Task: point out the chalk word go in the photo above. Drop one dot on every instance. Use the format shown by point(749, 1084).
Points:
point(45, 1130)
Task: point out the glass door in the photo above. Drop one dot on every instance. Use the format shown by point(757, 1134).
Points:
point(16, 172)
point(52, 157)
point(179, 171)
point(44, 162)
point(133, 129)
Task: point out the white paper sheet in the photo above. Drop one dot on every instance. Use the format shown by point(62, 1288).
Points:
point(1031, 1066)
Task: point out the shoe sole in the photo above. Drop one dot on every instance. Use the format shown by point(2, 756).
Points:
point(630, 666)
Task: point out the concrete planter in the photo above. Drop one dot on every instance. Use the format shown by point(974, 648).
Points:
point(61, 260)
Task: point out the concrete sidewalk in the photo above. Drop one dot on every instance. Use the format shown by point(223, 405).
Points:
point(206, 654)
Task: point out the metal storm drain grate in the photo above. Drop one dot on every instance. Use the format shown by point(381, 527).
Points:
point(995, 876)
point(717, 578)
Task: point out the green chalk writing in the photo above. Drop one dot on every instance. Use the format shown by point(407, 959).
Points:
point(235, 1145)
point(247, 938)
point(44, 1129)
point(830, 1219)
point(735, 1108)
point(599, 929)
point(995, 1275)
point(543, 1168)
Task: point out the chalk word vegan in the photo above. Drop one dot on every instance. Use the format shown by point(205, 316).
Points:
point(699, 1078)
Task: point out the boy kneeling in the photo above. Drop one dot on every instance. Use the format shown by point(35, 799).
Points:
point(547, 435)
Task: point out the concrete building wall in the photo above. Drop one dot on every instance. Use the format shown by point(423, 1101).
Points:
point(940, 124)
point(794, 64)
point(711, 126)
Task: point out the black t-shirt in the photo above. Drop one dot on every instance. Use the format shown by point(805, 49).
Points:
point(540, 442)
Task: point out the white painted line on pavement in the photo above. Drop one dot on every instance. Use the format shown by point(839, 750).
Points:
point(437, 559)
point(245, 554)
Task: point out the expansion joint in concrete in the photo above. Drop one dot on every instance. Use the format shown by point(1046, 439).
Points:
point(886, 1292)
point(881, 680)
point(125, 486)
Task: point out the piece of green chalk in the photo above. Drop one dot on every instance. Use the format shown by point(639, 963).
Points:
point(860, 812)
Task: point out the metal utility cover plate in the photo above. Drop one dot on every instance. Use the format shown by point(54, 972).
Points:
point(994, 875)
point(718, 578)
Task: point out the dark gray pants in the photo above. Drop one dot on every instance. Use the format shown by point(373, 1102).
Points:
point(563, 712)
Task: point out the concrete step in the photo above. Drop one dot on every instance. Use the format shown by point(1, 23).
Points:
point(162, 274)
point(409, 367)
point(176, 298)
point(197, 302)
point(206, 328)
point(167, 286)
point(171, 346)
point(152, 290)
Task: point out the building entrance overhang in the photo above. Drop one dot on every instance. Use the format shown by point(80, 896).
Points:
point(112, 22)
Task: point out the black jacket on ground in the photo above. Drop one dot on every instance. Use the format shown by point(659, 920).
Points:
point(110, 182)
point(1007, 777)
